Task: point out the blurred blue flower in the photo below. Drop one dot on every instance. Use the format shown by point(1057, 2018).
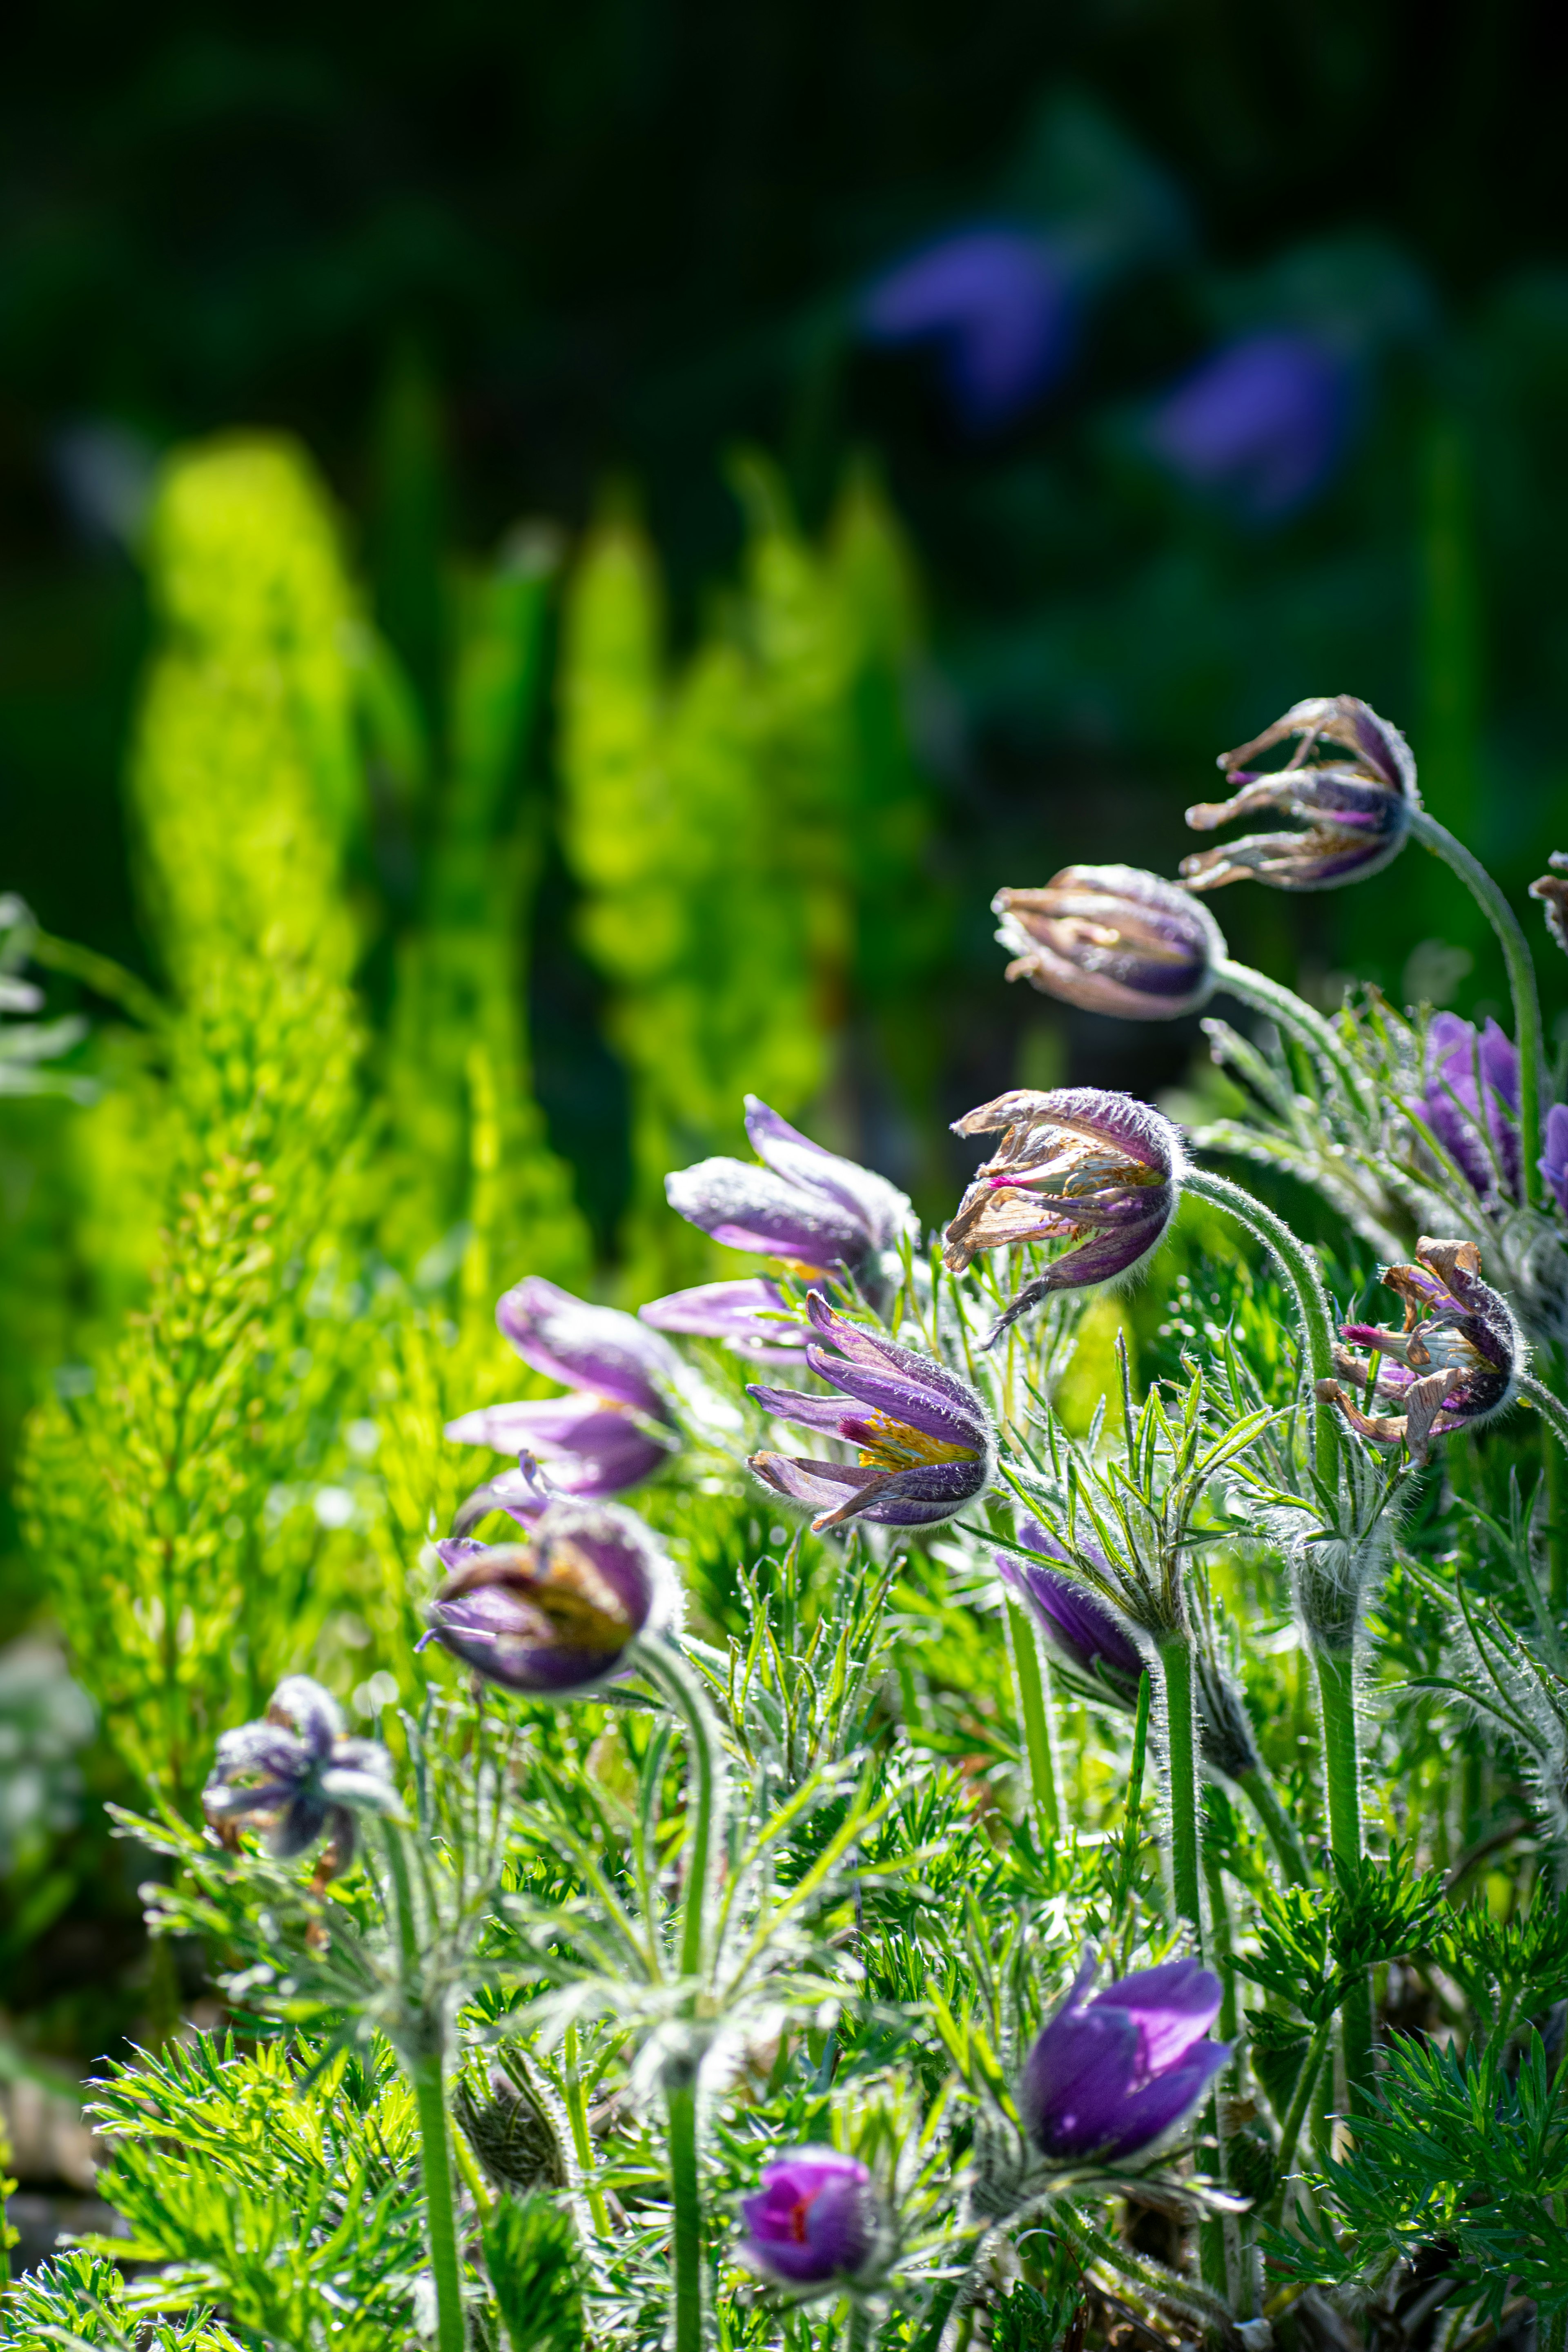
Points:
point(1262, 422)
point(1000, 306)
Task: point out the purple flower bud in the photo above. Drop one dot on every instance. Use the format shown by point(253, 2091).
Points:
point(814, 2220)
point(804, 1205)
point(999, 305)
point(593, 1449)
point(1262, 424)
point(1081, 1628)
point(923, 1437)
point(1356, 812)
point(297, 1774)
point(553, 1618)
point(754, 1317)
point(1455, 1364)
point(1554, 1159)
point(1113, 939)
point(1460, 1066)
point(1114, 2072)
point(594, 1348)
point(1075, 1164)
point(1553, 892)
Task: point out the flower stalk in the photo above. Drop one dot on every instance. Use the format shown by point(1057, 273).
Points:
point(1030, 1681)
point(1181, 1780)
point(422, 2064)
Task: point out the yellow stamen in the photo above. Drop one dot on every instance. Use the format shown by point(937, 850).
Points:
point(897, 1446)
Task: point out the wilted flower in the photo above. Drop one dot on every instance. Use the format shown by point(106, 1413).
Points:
point(815, 2219)
point(297, 1774)
point(1075, 1164)
point(612, 1434)
point(1113, 939)
point(1356, 811)
point(1262, 424)
point(998, 304)
point(1114, 2071)
point(1082, 1629)
point(754, 1317)
point(1455, 1363)
point(1459, 1065)
point(553, 1617)
point(1553, 891)
point(1554, 1159)
point(804, 1205)
point(922, 1435)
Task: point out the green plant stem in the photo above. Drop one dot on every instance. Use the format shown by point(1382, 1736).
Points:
point(857, 2325)
point(1134, 1791)
point(581, 2138)
point(1216, 2269)
point(1341, 1775)
point(1279, 1828)
point(686, 2199)
point(664, 1664)
point(1520, 979)
point(1182, 1769)
point(1029, 1677)
point(1300, 1270)
point(1292, 1012)
point(430, 2098)
point(1163, 2288)
point(1553, 1446)
point(1296, 2116)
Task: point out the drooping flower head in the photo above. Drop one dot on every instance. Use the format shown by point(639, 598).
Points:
point(814, 2220)
point(1083, 1630)
point(1114, 2072)
point(298, 1775)
point(1471, 1096)
point(1113, 939)
point(1455, 1363)
point(1354, 806)
point(1075, 1164)
point(1553, 892)
point(1261, 425)
point(553, 1617)
point(999, 305)
point(922, 1436)
point(753, 1317)
point(608, 1436)
point(804, 1205)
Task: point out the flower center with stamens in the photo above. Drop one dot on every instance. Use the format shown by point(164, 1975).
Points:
point(1075, 1168)
point(888, 1444)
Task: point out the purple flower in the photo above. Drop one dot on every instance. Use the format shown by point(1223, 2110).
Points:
point(1082, 1629)
point(1455, 1364)
point(814, 2220)
point(594, 1348)
point(553, 1617)
point(1459, 1065)
point(1554, 1159)
point(1112, 939)
point(593, 1449)
point(1000, 306)
point(1262, 422)
point(1114, 2072)
point(923, 1436)
point(297, 1774)
point(804, 1205)
point(1075, 1164)
point(1356, 812)
point(1553, 892)
point(754, 1317)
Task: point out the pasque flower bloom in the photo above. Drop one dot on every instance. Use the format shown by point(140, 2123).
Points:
point(1114, 2072)
point(1356, 811)
point(609, 1436)
point(298, 1774)
point(1262, 424)
point(1082, 1629)
point(1461, 1068)
point(999, 305)
point(922, 1436)
point(754, 1316)
point(1454, 1364)
point(1554, 1159)
point(1074, 1164)
point(804, 1204)
point(553, 1617)
point(813, 2220)
point(1113, 939)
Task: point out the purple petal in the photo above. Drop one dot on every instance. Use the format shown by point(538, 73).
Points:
point(593, 1348)
point(811, 2219)
point(999, 304)
point(1173, 2006)
point(592, 1449)
point(1076, 2082)
point(871, 1351)
point(919, 1498)
point(1078, 1623)
point(554, 1616)
point(1113, 939)
point(1149, 2114)
point(311, 1712)
point(1553, 1160)
point(1263, 423)
point(827, 1413)
point(748, 1208)
point(882, 1211)
point(751, 1314)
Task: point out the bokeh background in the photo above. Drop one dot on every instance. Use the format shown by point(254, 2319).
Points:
point(881, 455)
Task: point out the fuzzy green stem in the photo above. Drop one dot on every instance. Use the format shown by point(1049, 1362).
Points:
point(1296, 2116)
point(1216, 2268)
point(665, 1666)
point(435, 2161)
point(1520, 979)
point(1553, 1445)
point(1134, 1791)
point(1551, 1408)
point(1182, 1771)
point(1029, 1677)
point(858, 2326)
point(686, 2199)
point(1341, 1775)
point(1290, 1012)
point(1279, 1828)
point(582, 2139)
point(1161, 2287)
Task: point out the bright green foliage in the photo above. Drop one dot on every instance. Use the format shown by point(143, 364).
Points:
point(721, 820)
point(532, 2255)
point(80, 2297)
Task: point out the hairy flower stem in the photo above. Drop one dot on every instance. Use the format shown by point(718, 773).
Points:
point(858, 2326)
point(1278, 1826)
point(1300, 1271)
point(582, 2139)
point(422, 2061)
point(1341, 1775)
point(1290, 1012)
point(1296, 2116)
point(1217, 2266)
point(1182, 1772)
point(1520, 979)
point(1553, 1447)
point(686, 2199)
point(1029, 1677)
point(1160, 2287)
